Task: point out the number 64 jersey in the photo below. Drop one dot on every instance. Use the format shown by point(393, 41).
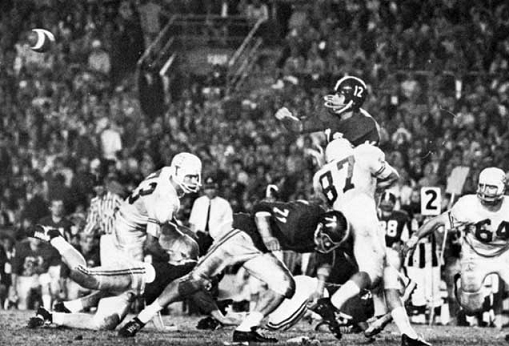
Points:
point(487, 229)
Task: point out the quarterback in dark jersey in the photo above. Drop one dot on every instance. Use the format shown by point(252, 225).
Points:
point(298, 226)
point(340, 115)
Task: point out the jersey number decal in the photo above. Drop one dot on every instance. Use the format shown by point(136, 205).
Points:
point(484, 234)
point(390, 227)
point(358, 91)
point(326, 182)
point(281, 215)
point(145, 188)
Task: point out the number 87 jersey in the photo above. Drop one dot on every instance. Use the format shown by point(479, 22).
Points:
point(350, 172)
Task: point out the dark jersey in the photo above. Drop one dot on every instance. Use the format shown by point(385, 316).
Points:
point(165, 273)
point(292, 223)
point(358, 129)
point(27, 262)
point(393, 226)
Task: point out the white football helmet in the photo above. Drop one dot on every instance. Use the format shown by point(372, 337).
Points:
point(183, 167)
point(338, 149)
point(491, 186)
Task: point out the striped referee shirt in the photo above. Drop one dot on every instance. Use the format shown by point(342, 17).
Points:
point(101, 214)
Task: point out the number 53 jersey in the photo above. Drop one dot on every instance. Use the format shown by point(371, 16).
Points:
point(486, 229)
point(154, 201)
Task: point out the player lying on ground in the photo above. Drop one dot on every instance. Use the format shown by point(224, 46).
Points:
point(117, 286)
point(298, 226)
point(483, 221)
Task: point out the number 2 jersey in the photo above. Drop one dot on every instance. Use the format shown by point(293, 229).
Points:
point(486, 231)
point(155, 200)
point(292, 223)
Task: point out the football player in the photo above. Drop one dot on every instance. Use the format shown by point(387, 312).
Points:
point(297, 226)
point(483, 221)
point(118, 285)
point(153, 203)
point(340, 115)
point(348, 182)
point(394, 224)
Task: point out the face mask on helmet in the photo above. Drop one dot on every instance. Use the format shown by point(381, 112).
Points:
point(348, 94)
point(331, 232)
point(186, 172)
point(491, 187)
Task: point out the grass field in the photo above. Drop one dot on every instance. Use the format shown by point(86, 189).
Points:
point(13, 331)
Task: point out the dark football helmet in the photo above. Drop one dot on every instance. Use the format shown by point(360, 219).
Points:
point(387, 202)
point(332, 231)
point(491, 186)
point(349, 94)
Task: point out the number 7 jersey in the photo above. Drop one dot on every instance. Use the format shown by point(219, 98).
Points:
point(349, 175)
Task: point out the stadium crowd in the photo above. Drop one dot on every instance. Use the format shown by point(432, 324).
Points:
point(439, 88)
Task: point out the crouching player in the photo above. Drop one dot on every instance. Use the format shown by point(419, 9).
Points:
point(297, 226)
point(117, 285)
point(483, 219)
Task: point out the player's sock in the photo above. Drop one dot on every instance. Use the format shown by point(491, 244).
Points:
point(58, 318)
point(149, 312)
point(74, 305)
point(71, 256)
point(400, 317)
point(348, 290)
point(253, 319)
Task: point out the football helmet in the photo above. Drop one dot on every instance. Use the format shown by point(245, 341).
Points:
point(491, 186)
point(183, 167)
point(387, 202)
point(349, 94)
point(338, 149)
point(332, 230)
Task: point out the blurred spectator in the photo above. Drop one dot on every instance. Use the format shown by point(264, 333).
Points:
point(57, 220)
point(111, 141)
point(35, 274)
point(99, 59)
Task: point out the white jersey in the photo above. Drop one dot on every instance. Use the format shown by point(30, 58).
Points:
point(155, 200)
point(487, 231)
point(355, 173)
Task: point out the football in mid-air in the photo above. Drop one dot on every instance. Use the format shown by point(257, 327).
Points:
point(41, 40)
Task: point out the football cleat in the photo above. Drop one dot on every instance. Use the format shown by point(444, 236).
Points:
point(130, 329)
point(60, 307)
point(41, 318)
point(408, 341)
point(244, 338)
point(41, 232)
point(326, 310)
point(377, 326)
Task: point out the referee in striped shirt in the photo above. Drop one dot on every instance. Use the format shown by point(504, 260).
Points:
point(101, 216)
